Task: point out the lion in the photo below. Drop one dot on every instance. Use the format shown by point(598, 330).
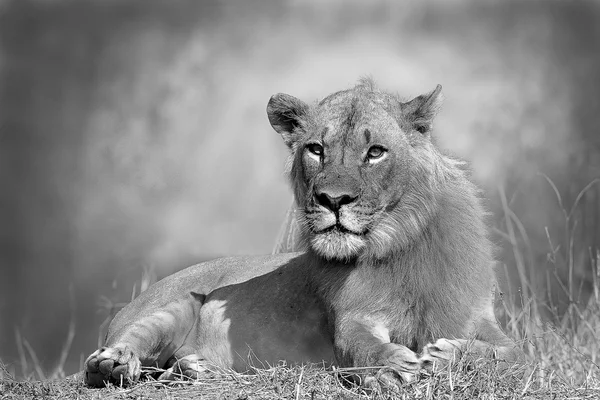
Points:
point(396, 272)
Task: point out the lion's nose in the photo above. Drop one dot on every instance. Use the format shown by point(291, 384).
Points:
point(332, 202)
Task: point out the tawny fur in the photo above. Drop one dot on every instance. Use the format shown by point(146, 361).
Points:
point(396, 256)
point(427, 265)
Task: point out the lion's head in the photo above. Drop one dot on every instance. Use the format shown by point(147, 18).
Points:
point(363, 169)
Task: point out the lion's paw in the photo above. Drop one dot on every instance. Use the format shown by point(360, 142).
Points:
point(188, 367)
point(401, 365)
point(440, 353)
point(118, 365)
point(386, 380)
point(402, 360)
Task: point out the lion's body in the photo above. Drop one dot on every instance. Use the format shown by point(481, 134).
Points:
point(397, 257)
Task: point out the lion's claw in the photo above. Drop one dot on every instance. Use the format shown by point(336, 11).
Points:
point(112, 364)
point(440, 353)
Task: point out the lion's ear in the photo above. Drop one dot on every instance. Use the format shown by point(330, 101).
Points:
point(285, 115)
point(421, 110)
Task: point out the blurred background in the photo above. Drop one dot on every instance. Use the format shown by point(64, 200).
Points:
point(134, 140)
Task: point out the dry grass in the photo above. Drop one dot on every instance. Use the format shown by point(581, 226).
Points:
point(563, 357)
point(464, 380)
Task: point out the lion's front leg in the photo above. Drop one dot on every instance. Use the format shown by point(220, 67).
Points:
point(363, 344)
point(139, 337)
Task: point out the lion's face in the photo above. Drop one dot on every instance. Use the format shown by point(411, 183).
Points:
point(352, 167)
point(353, 161)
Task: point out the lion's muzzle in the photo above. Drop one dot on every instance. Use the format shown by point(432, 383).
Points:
point(335, 212)
point(337, 230)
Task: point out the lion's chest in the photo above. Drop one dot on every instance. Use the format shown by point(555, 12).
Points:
point(412, 316)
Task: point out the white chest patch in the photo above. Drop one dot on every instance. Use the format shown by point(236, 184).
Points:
point(381, 332)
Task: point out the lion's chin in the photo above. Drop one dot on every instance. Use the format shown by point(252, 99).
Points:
point(337, 245)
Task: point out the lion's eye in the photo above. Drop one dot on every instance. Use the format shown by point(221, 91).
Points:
point(375, 153)
point(315, 148)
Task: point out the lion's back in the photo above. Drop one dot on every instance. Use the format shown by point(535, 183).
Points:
point(202, 278)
